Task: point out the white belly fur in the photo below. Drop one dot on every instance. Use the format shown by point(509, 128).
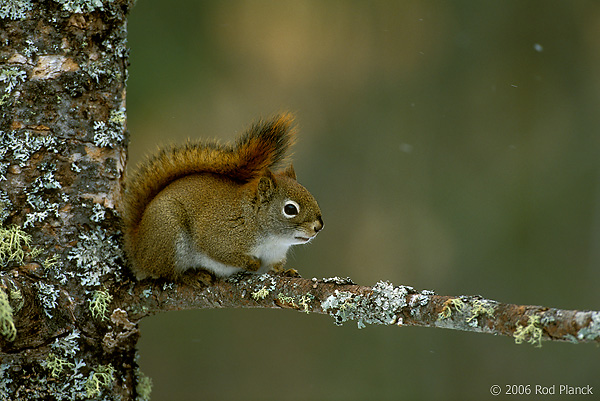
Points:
point(270, 251)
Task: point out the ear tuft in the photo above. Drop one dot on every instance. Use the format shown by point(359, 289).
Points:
point(289, 172)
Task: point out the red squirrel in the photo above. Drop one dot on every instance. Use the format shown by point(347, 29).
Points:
point(218, 208)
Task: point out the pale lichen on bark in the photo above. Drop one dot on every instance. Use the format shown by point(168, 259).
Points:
point(62, 150)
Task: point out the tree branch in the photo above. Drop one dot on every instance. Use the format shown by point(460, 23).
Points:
point(114, 316)
point(380, 304)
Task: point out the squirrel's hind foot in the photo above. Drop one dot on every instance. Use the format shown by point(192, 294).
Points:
point(286, 272)
point(197, 278)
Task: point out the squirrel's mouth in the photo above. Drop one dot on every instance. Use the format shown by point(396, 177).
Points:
point(303, 239)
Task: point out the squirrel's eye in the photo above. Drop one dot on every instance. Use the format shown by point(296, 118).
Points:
point(291, 209)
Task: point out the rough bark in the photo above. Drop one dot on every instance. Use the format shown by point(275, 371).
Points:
point(69, 308)
point(63, 66)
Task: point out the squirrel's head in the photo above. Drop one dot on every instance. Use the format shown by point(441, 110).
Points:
point(287, 209)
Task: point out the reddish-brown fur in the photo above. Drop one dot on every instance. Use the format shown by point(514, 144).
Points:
point(263, 146)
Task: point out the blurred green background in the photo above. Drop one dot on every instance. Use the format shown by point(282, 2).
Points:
point(452, 146)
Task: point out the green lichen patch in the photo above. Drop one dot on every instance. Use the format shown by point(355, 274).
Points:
point(265, 286)
point(480, 308)
point(57, 377)
point(57, 365)
point(16, 297)
point(300, 302)
point(98, 379)
point(286, 300)
point(7, 324)
point(61, 360)
point(11, 77)
point(51, 262)
point(110, 133)
point(260, 293)
point(144, 386)
point(99, 304)
point(14, 245)
point(532, 332)
point(305, 301)
point(455, 303)
point(118, 118)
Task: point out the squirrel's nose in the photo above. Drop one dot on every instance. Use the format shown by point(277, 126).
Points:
point(318, 224)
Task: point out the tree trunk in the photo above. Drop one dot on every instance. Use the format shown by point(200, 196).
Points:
point(69, 307)
point(63, 67)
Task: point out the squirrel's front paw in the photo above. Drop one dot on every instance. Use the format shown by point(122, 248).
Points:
point(290, 273)
point(279, 270)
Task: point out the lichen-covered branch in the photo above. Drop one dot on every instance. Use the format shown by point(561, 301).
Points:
point(382, 303)
point(110, 317)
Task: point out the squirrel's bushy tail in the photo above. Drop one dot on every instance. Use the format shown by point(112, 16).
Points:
point(262, 146)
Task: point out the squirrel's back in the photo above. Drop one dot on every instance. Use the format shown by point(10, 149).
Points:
point(263, 146)
point(218, 208)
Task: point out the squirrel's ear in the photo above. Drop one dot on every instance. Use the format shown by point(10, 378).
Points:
point(266, 186)
point(289, 172)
